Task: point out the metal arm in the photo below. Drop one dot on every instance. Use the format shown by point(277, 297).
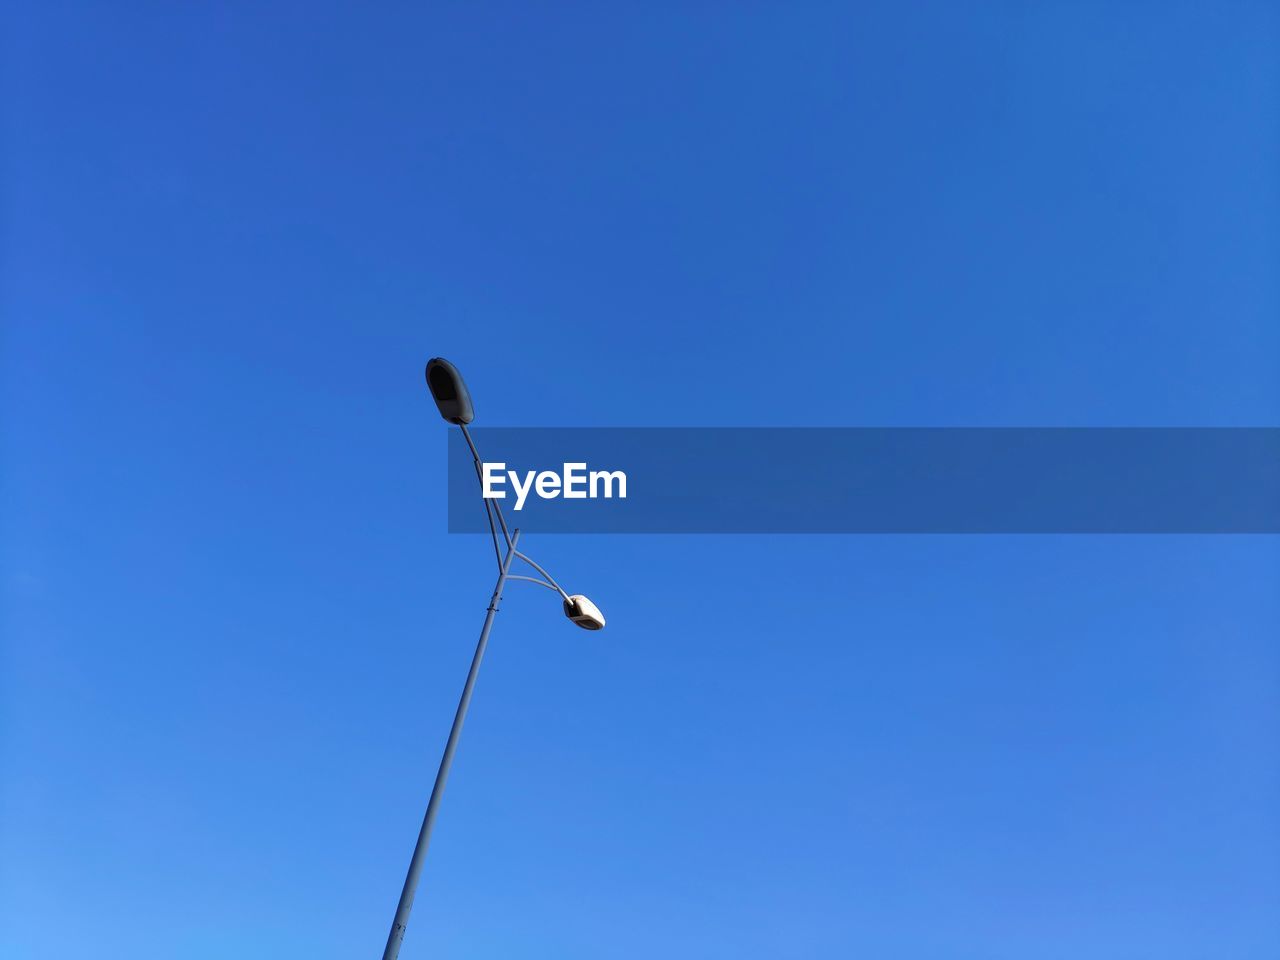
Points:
point(475, 456)
point(554, 586)
point(541, 583)
point(497, 509)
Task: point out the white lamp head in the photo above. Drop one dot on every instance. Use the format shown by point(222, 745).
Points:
point(583, 612)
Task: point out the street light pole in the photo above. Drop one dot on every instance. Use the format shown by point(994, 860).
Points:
point(396, 936)
point(453, 400)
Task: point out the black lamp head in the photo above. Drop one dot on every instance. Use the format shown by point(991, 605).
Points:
point(449, 392)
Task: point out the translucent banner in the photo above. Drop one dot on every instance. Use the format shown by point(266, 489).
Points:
point(870, 480)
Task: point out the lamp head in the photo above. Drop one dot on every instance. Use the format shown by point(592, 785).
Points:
point(583, 612)
point(449, 392)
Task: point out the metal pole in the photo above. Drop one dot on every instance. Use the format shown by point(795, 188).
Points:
point(396, 937)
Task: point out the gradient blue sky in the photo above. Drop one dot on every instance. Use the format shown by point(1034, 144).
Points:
point(234, 628)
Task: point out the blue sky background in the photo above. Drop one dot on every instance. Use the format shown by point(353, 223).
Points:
point(234, 628)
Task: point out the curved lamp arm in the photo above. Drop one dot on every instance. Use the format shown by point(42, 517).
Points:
point(554, 586)
point(541, 583)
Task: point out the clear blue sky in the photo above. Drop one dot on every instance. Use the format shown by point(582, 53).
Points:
point(234, 628)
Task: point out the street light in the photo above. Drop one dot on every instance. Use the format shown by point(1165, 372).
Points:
point(454, 402)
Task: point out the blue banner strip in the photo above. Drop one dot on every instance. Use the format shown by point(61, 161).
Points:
point(877, 480)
